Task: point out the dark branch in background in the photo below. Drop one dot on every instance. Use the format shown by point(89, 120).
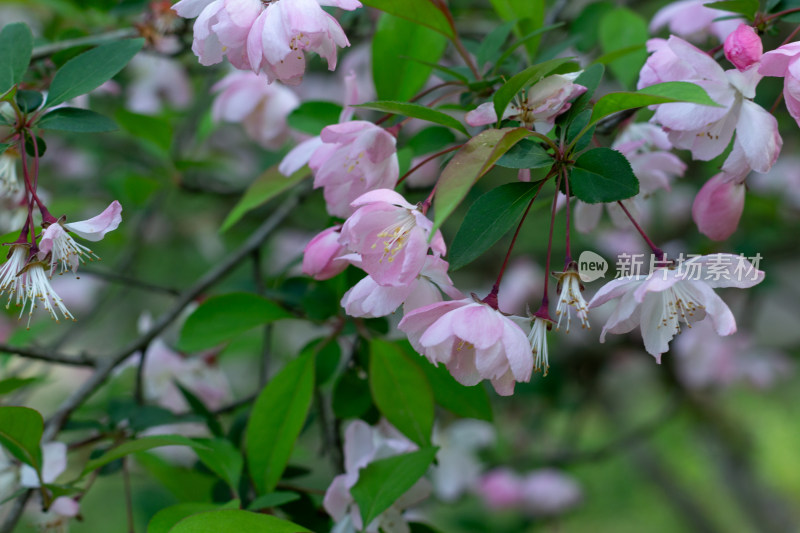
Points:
point(261, 289)
point(91, 40)
point(48, 355)
point(129, 281)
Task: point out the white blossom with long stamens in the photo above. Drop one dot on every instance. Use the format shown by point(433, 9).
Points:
point(28, 286)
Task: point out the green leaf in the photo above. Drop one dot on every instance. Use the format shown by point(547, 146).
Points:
point(12, 384)
point(491, 45)
point(91, 69)
point(622, 28)
point(401, 54)
point(276, 421)
point(222, 318)
point(273, 499)
point(198, 407)
point(603, 175)
point(77, 120)
point(266, 187)
point(469, 402)
point(422, 12)
point(431, 140)
point(351, 395)
point(525, 154)
point(585, 26)
point(488, 219)
point(28, 101)
point(235, 521)
point(401, 391)
point(589, 78)
point(470, 164)
point(610, 57)
point(166, 518)
point(4, 147)
point(154, 131)
point(530, 75)
point(526, 40)
point(382, 482)
point(139, 445)
point(21, 431)
point(310, 117)
point(16, 42)
point(222, 458)
point(748, 8)
point(416, 111)
point(529, 17)
point(660, 93)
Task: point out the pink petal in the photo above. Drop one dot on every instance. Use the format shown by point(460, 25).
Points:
point(95, 228)
point(718, 207)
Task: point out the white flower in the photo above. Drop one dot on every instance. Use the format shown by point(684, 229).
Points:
point(538, 341)
point(9, 181)
point(570, 289)
point(659, 302)
point(26, 282)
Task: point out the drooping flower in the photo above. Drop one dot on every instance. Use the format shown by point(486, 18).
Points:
point(783, 63)
point(707, 130)
point(474, 342)
point(692, 20)
point(659, 302)
point(391, 236)
point(369, 299)
point(364, 444)
point(261, 107)
point(537, 340)
point(570, 291)
point(743, 47)
point(27, 283)
point(283, 31)
point(322, 257)
point(540, 107)
point(57, 246)
point(221, 28)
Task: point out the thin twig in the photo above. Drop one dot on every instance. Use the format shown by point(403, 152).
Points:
point(48, 355)
point(50, 49)
point(129, 281)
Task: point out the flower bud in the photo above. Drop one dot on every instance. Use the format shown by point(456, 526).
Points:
point(718, 207)
point(743, 47)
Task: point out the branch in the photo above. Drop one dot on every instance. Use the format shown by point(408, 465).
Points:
point(107, 364)
point(50, 49)
point(48, 355)
point(129, 281)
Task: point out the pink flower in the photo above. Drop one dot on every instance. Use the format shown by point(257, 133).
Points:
point(391, 236)
point(718, 206)
point(473, 341)
point(348, 160)
point(707, 130)
point(544, 492)
point(261, 107)
point(364, 444)
point(285, 30)
point(659, 302)
point(157, 80)
point(221, 28)
point(369, 299)
point(544, 102)
point(458, 465)
point(782, 62)
point(691, 20)
point(322, 257)
point(647, 148)
point(58, 247)
point(743, 47)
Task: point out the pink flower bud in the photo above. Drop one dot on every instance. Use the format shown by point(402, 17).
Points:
point(743, 47)
point(322, 253)
point(718, 207)
point(500, 489)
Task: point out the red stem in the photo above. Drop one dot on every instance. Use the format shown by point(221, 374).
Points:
point(426, 160)
point(491, 298)
point(780, 14)
point(545, 299)
point(568, 259)
point(658, 252)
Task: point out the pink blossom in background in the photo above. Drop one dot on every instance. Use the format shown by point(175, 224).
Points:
point(648, 149)
point(743, 47)
point(474, 342)
point(691, 20)
point(322, 257)
point(545, 492)
point(364, 444)
point(262, 108)
point(659, 302)
point(541, 106)
point(782, 62)
point(391, 236)
point(458, 466)
point(706, 361)
point(707, 130)
point(718, 206)
point(369, 299)
point(157, 81)
point(521, 282)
